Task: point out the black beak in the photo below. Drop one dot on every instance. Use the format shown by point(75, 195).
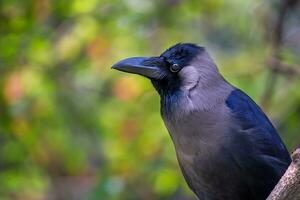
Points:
point(140, 65)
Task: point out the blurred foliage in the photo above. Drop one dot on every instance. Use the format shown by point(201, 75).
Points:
point(71, 128)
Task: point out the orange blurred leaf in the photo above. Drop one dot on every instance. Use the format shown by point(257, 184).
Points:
point(126, 88)
point(129, 129)
point(97, 48)
point(13, 89)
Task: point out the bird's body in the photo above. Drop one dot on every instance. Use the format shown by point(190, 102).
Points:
point(226, 147)
point(224, 160)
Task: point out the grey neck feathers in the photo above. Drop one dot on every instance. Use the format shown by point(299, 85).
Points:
point(202, 89)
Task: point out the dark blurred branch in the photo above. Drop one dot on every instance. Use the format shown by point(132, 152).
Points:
point(288, 188)
point(275, 64)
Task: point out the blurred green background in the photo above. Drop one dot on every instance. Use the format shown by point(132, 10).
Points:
point(71, 128)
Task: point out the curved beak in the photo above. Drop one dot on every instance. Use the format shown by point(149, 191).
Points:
point(139, 65)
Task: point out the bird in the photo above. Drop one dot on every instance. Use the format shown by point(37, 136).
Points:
point(226, 147)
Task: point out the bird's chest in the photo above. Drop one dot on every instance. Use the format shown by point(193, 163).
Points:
point(198, 148)
point(200, 141)
point(204, 165)
point(199, 134)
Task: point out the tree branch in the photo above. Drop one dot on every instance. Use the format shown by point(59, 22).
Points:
point(288, 188)
point(276, 66)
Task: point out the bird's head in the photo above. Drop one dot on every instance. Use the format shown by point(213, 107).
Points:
point(182, 67)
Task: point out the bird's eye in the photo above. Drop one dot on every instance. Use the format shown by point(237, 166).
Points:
point(174, 68)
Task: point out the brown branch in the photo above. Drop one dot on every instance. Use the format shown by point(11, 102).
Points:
point(276, 66)
point(288, 188)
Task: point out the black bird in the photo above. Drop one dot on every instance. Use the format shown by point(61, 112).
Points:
point(226, 146)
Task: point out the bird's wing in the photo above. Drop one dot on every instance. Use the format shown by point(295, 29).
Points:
point(256, 126)
point(268, 158)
